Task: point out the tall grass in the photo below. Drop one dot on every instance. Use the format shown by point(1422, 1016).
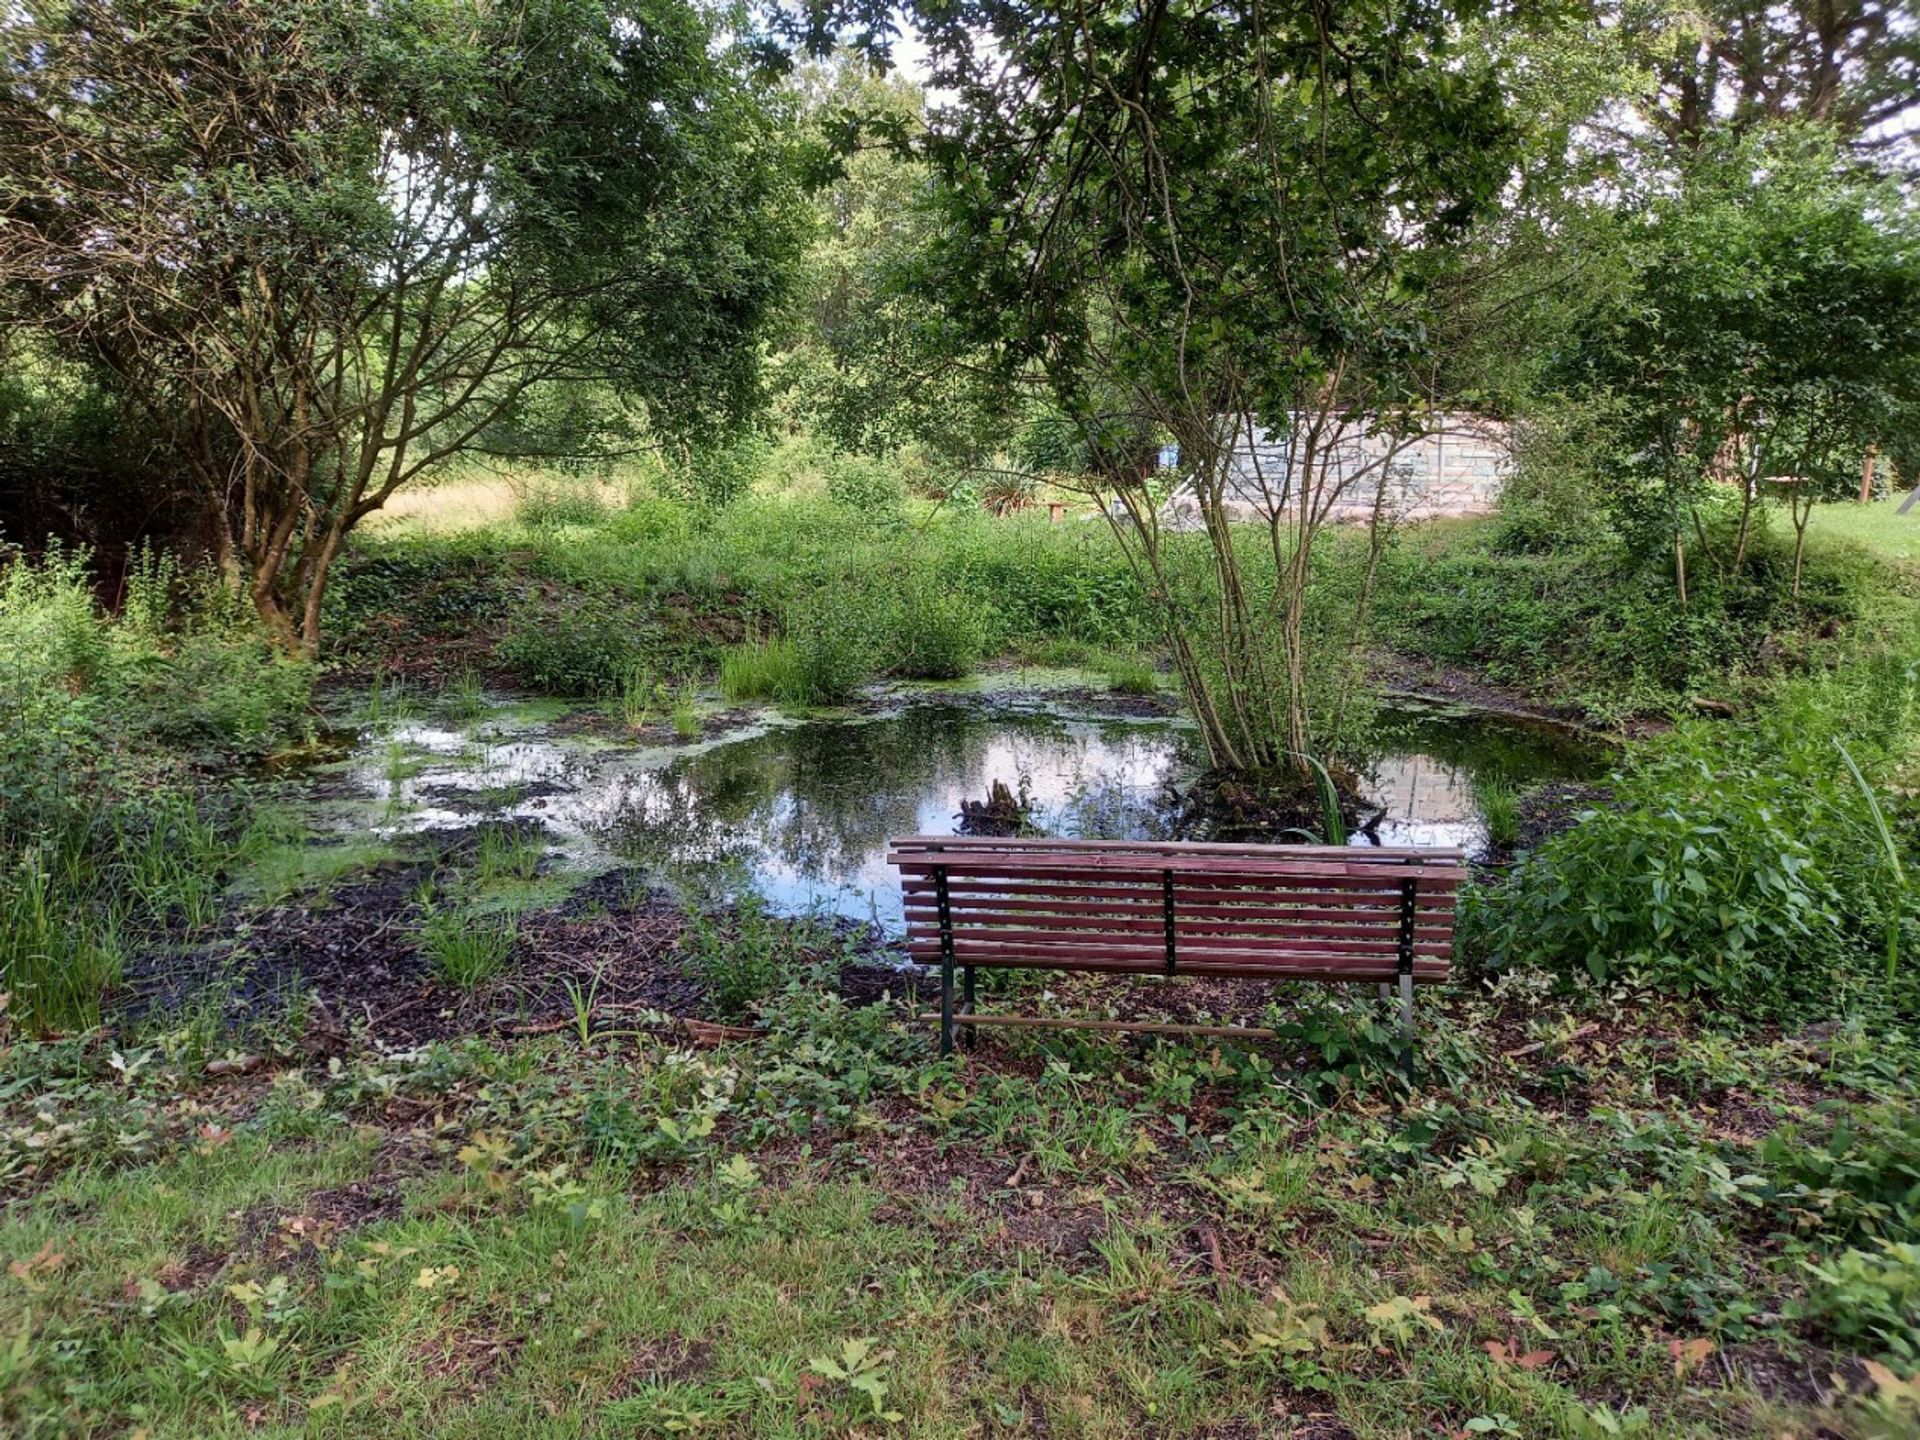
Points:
point(1499, 802)
point(105, 836)
point(1890, 848)
point(762, 669)
point(468, 950)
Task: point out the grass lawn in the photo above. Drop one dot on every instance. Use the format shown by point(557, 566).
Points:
point(827, 1233)
point(1875, 526)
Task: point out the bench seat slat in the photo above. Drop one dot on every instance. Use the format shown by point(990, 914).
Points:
point(1363, 968)
point(1184, 925)
point(1185, 888)
point(1137, 922)
point(1063, 886)
point(1188, 943)
point(1203, 872)
point(1386, 854)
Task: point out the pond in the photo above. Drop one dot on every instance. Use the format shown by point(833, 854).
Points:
point(800, 811)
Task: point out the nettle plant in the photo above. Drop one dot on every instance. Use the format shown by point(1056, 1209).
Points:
point(1745, 864)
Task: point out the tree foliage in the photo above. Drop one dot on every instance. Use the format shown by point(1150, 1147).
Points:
point(1196, 221)
point(1764, 341)
point(324, 247)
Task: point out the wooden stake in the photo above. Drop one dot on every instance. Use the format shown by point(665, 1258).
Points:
point(1866, 474)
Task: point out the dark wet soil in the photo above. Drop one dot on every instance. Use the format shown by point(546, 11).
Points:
point(350, 962)
point(1545, 811)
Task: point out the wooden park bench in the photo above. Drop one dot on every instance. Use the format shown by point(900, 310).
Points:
point(1270, 912)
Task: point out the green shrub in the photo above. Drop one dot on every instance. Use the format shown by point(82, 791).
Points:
point(588, 648)
point(1589, 623)
point(835, 650)
point(554, 504)
point(652, 520)
point(1870, 1299)
point(741, 965)
point(1734, 861)
point(1855, 1173)
point(105, 840)
point(217, 693)
point(936, 632)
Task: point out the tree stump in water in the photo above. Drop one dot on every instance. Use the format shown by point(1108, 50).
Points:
point(1001, 814)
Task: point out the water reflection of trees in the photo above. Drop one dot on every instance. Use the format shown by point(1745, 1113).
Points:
point(819, 799)
point(1481, 745)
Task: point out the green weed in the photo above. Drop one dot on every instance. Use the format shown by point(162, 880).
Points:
point(1127, 673)
point(763, 669)
point(1498, 799)
point(464, 701)
point(468, 949)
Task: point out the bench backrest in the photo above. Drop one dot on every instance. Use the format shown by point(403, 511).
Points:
point(1310, 912)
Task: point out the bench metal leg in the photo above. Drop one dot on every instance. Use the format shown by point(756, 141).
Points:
point(1406, 1027)
point(946, 962)
point(1409, 898)
point(971, 1033)
point(946, 1006)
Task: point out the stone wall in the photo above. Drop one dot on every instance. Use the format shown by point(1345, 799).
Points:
point(1456, 470)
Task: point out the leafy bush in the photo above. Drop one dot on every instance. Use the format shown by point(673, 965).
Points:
point(587, 649)
point(1734, 861)
point(1589, 623)
point(835, 651)
point(101, 838)
point(652, 519)
point(743, 964)
point(1855, 1177)
point(1870, 1296)
point(936, 631)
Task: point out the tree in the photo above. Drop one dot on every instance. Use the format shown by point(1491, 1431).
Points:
point(1850, 65)
point(1771, 333)
point(325, 247)
point(1207, 223)
point(870, 361)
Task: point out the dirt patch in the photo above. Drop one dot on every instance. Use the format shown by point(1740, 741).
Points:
point(350, 948)
point(1801, 1376)
point(351, 960)
point(325, 1217)
point(674, 1360)
point(601, 723)
point(470, 1358)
